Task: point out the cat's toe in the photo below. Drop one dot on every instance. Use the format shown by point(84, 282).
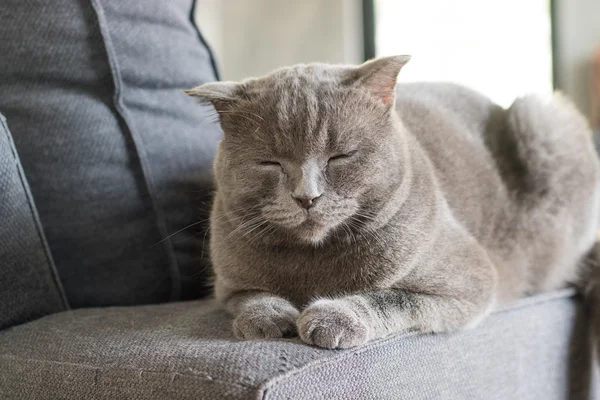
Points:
point(264, 323)
point(332, 324)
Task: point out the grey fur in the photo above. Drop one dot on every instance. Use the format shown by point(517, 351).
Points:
point(444, 207)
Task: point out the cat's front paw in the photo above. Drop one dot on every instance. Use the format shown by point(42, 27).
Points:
point(332, 324)
point(266, 321)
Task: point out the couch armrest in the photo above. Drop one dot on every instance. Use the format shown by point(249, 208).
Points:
point(535, 349)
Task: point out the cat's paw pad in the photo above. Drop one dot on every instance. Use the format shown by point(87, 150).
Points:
point(266, 321)
point(332, 324)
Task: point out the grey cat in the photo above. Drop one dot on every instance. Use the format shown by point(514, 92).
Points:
point(349, 208)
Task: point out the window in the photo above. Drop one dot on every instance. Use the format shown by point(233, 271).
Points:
point(500, 48)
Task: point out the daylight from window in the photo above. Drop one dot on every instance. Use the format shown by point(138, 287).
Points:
point(501, 48)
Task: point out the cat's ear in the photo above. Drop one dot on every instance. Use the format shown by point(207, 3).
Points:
point(222, 95)
point(379, 76)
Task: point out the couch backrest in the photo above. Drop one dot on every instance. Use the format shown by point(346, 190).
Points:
point(117, 156)
point(29, 286)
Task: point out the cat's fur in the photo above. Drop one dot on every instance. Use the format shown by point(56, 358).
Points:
point(445, 206)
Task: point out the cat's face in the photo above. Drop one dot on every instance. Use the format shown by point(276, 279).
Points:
point(308, 150)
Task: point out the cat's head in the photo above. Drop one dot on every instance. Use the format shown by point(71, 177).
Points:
point(308, 150)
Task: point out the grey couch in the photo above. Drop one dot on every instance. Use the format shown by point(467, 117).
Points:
point(101, 157)
point(535, 349)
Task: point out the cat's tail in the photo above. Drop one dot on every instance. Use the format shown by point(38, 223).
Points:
point(589, 284)
point(552, 143)
point(589, 277)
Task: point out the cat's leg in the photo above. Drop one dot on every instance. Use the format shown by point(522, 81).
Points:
point(261, 315)
point(353, 320)
point(458, 295)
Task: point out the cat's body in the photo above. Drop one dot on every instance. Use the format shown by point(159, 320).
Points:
point(446, 208)
point(524, 182)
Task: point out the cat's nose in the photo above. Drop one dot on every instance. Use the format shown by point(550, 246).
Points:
point(306, 201)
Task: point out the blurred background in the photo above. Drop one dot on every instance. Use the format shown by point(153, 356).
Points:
point(501, 48)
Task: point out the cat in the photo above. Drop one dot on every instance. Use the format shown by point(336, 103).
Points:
point(349, 207)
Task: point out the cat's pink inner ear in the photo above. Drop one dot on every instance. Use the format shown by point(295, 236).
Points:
point(379, 76)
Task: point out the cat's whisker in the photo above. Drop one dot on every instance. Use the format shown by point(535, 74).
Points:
point(349, 232)
point(252, 229)
point(175, 233)
point(246, 225)
point(371, 216)
point(253, 239)
point(261, 234)
point(218, 217)
point(213, 221)
point(371, 232)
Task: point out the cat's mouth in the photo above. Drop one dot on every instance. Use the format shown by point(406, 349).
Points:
point(311, 227)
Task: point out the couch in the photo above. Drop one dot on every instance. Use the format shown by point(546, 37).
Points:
point(102, 157)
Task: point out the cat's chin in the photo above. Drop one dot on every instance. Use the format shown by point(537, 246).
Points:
point(311, 232)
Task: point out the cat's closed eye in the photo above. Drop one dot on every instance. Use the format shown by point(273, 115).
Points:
point(270, 164)
point(343, 156)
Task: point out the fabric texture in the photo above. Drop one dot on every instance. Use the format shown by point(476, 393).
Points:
point(117, 156)
point(29, 286)
point(534, 349)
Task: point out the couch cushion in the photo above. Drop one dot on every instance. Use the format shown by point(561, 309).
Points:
point(29, 286)
point(116, 154)
point(535, 349)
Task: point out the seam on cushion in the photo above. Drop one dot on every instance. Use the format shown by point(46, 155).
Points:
point(211, 55)
point(136, 370)
point(520, 304)
point(167, 244)
point(36, 219)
